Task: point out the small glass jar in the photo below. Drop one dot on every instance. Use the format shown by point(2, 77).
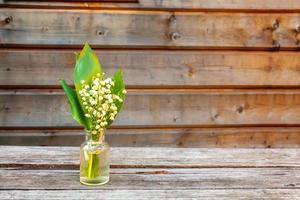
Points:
point(94, 160)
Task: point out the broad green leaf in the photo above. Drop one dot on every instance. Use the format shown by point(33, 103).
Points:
point(75, 106)
point(118, 90)
point(86, 67)
point(76, 56)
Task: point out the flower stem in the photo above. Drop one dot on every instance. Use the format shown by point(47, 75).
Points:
point(91, 158)
point(92, 169)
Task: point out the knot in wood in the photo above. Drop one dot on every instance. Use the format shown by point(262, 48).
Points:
point(297, 36)
point(5, 108)
point(172, 18)
point(240, 109)
point(175, 36)
point(9, 19)
point(275, 44)
point(297, 29)
point(275, 25)
point(100, 32)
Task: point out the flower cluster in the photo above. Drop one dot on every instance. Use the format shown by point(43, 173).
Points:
point(99, 102)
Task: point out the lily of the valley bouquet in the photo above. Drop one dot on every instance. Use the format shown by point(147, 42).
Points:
point(94, 104)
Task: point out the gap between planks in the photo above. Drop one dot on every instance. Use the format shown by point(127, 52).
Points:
point(135, 6)
point(164, 87)
point(148, 47)
point(112, 166)
point(190, 91)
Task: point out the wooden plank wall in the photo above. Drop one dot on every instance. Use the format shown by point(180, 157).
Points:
point(199, 73)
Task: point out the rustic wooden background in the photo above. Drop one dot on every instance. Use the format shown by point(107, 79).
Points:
point(199, 73)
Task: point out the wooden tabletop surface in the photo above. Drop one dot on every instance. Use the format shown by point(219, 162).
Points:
point(153, 173)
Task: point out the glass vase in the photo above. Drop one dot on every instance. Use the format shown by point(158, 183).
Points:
point(94, 160)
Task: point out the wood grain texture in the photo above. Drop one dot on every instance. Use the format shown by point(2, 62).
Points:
point(221, 194)
point(150, 69)
point(139, 172)
point(142, 29)
point(157, 179)
point(229, 5)
point(242, 137)
point(157, 108)
point(65, 157)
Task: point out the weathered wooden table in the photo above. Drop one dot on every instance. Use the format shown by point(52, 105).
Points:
point(153, 173)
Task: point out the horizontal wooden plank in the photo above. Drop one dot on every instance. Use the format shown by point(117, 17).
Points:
point(44, 68)
point(157, 179)
point(51, 157)
point(222, 194)
point(97, 1)
point(157, 108)
point(229, 5)
point(143, 29)
point(242, 137)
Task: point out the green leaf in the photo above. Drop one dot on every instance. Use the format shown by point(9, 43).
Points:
point(117, 89)
point(75, 106)
point(86, 67)
point(76, 56)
